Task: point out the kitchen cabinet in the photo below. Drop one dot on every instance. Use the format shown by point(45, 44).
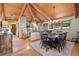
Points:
point(35, 36)
point(6, 43)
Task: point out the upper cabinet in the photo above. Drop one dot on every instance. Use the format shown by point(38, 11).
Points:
point(63, 10)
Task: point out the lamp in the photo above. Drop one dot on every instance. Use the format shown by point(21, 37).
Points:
point(55, 21)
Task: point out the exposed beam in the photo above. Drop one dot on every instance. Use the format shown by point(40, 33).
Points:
point(22, 11)
point(64, 17)
point(48, 18)
point(35, 18)
point(75, 9)
point(30, 11)
point(3, 12)
point(13, 6)
point(10, 18)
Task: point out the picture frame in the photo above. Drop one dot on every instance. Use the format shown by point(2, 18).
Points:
point(66, 24)
point(48, 25)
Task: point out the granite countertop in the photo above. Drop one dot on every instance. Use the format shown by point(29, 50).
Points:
point(8, 33)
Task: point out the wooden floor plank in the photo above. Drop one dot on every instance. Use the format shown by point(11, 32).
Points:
point(75, 51)
point(29, 51)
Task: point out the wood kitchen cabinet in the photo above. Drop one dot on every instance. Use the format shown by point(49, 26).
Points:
point(6, 45)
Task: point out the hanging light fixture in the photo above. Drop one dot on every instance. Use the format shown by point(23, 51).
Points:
point(55, 21)
point(50, 21)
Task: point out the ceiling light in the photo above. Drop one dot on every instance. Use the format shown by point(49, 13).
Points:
point(55, 21)
point(50, 21)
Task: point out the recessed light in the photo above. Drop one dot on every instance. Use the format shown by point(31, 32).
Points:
point(53, 6)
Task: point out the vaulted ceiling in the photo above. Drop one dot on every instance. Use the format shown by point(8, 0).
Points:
point(38, 12)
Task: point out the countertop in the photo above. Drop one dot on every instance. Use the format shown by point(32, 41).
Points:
point(8, 33)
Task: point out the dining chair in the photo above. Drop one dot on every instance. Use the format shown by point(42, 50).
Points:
point(46, 42)
point(65, 35)
point(76, 39)
point(60, 41)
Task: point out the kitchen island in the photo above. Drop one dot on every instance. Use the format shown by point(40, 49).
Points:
point(35, 35)
point(6, 43)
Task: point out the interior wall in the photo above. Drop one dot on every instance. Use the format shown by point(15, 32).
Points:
point(22, 26)
point(14, 22)
point(74, 27)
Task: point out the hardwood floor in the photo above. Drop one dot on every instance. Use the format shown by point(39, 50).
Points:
point(22, 47)
point(75, 51)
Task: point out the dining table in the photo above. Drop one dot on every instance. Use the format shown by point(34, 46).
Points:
point(55, 40)
point(53, 37)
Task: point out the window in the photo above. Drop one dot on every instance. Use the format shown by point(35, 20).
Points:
point(66, 25)
point(50, 26)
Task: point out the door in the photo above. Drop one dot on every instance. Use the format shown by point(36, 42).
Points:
point(13, 29)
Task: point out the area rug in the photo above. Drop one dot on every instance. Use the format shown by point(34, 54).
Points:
point(67, 51)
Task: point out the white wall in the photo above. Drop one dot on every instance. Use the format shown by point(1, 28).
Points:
point(22, 25)
point(74, 27)
point(71, 32)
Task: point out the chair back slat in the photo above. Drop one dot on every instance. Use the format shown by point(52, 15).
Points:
point(77, 34)
point(65, 35)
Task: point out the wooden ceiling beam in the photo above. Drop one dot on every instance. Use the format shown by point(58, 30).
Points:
point(48, 18)
point(22, 11)
point(35, 18)
point(75, 9)
point(64, 17)
point(13, 6)
point(7, 7)
point(30, 11)
point(3, 12)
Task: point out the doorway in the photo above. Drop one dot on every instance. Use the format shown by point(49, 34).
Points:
point(13, 29)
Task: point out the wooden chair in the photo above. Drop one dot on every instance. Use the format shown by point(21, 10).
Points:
point(46, 42)
point(60, 41)
point(76, 39)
